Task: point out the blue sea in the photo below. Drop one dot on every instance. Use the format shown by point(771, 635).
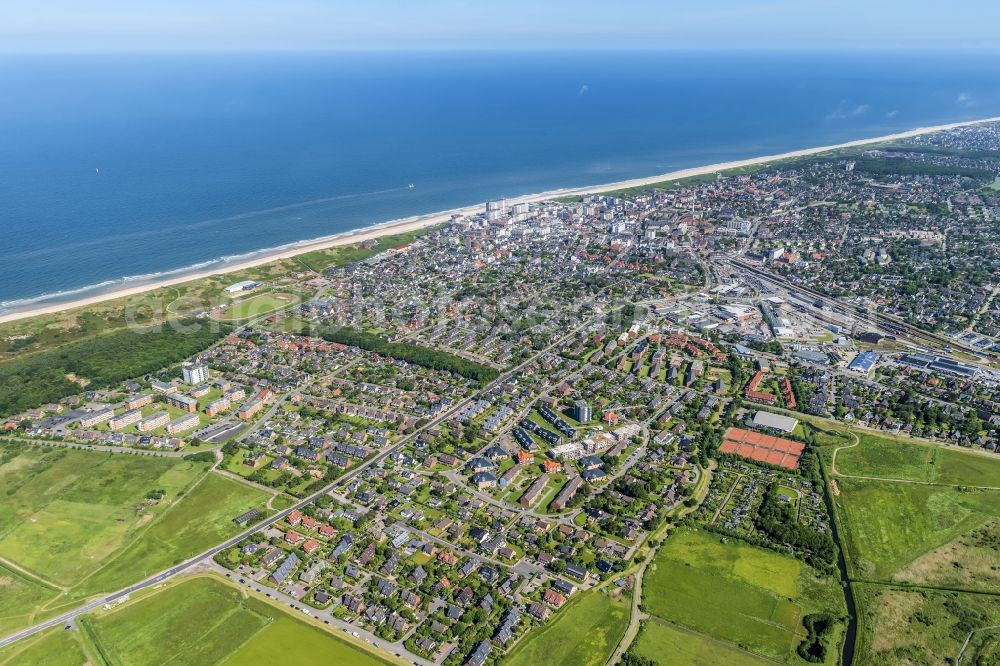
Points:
point(127, 167)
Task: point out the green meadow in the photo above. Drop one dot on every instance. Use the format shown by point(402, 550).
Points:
point(77, 523)
point(663, 642)
point(585, 632)
point(55, 647)
point(886, 526)
point(258, 305)
point(890, 458)
point(727, 590)
point(204, 620)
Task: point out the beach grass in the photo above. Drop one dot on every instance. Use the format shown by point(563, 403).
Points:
point(899, 626)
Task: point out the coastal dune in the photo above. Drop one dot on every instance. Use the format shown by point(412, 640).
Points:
point(421, 221)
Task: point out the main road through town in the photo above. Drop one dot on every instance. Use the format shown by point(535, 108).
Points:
point(187, 565)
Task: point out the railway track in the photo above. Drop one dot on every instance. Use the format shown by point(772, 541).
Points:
point(873, 318)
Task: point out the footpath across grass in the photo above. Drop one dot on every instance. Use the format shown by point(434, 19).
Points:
point(584, 633)
point(926, 627)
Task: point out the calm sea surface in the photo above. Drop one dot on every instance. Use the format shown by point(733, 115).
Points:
point(130, 167)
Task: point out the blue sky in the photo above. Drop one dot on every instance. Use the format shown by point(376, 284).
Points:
point(186, 25)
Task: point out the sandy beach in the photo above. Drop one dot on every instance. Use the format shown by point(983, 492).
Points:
point(417, 222)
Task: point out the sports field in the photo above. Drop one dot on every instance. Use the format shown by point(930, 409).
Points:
point(585, 632)
point(75, 523)
point(661, 641)
point(204, 620)
point(259, 305)
point(887, 525)
point(891, 458)
point(748, 596)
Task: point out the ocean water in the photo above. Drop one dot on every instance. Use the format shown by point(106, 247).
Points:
point(128, 167)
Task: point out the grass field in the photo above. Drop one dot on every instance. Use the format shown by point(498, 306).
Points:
point(309, 645)
point(584, 633)
point(665, 643)
point(748, 596)
point(202, 519)
point(887, 526)
point(206, 621)
point(53, 648)
point(19, 595)
point(926, 627)
point(968, 562)
point(80, 523)
point(64, 512)
point(890, 458)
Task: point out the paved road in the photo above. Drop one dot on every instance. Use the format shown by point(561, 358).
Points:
point(108, 449)
point(207, 555)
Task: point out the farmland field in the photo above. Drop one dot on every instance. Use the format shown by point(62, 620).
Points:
point(206, 621)
point(887, 526)
point(65, 512)
point(963, 468)
point(658, 639)
point(79, 522)
point(748, 596)
point(585, 632)
point(926, 627)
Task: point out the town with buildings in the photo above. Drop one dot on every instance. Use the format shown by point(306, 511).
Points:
point(475, 426)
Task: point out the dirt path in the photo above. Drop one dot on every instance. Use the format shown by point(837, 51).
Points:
point(958, 659)
point(637, 615)
point(13, 566)
point(726, 500)
point(833, 460)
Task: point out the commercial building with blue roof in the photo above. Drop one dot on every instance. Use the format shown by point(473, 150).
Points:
point(863, 362)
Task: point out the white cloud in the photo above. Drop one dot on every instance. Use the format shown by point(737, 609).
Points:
point(584, 89)
point(892, 114)
point(965, 99)
point(845, 110)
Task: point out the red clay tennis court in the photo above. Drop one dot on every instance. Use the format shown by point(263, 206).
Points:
point(762, 448)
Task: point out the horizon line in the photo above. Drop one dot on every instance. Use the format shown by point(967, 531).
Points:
point(525, 49)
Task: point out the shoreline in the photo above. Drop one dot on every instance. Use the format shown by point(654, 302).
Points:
point(402, 225)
